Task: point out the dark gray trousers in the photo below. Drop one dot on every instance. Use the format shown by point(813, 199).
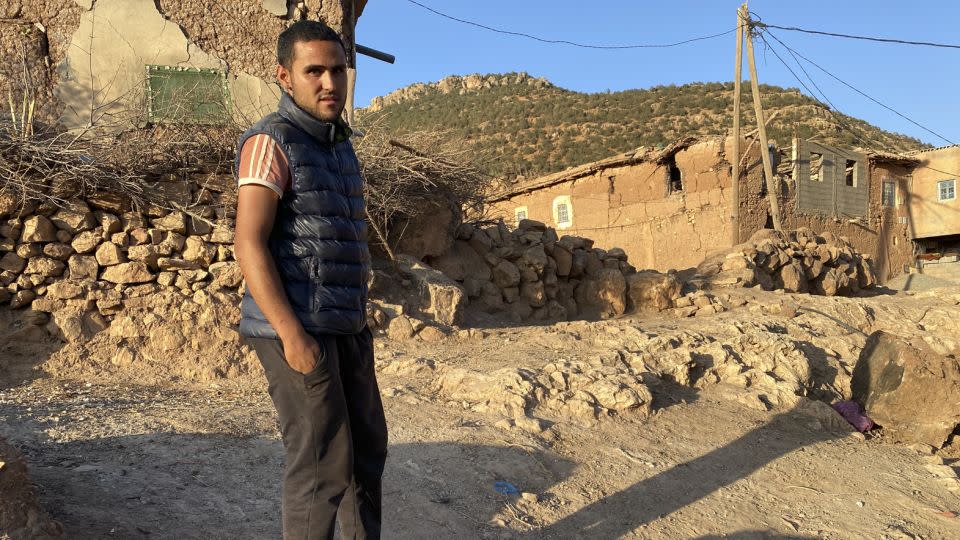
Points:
point(334, 435)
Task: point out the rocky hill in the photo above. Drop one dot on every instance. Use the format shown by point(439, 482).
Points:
point(523, 125)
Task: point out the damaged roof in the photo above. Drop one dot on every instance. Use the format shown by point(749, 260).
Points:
point(633, 157)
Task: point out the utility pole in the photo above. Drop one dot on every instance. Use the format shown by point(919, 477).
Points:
point(762, 128)
point(351, 20)
point(735, 173)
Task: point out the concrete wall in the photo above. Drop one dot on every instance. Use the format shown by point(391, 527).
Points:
point(949, 271)
point(89, 56)
point(632, 208)
point(930, 216)
point(826, 191)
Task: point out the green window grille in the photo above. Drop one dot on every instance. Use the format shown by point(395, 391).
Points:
point(181, 95)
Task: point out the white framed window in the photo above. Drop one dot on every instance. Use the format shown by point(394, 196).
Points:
point(520, 213)
point(563, 212)
point(889, 195)
point(947, 190)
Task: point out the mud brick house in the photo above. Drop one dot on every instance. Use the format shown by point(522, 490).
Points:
point(124, 63)
point(670, 208)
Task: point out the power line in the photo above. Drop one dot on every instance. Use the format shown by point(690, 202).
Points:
point(851, 36)
point(831, 108)
point(861, 92)
point(844, 125)
point(565, 42)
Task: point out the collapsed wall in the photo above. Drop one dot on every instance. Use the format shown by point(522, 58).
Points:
point(798, 261)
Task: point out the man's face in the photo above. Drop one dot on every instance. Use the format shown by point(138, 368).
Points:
point(317, 78)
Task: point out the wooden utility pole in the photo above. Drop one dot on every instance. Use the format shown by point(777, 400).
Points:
point(735, 173)
point(351, 19)
point(762, 127)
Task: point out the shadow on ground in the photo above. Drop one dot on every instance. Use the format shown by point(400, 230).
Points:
point(198, 485)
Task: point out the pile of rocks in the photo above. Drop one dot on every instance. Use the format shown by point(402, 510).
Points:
point(533, 274)
point(797, 261)
point(94, 262)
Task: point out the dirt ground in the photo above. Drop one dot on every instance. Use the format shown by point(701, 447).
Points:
point(715, 458)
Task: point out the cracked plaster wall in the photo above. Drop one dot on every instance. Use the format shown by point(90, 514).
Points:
point(631, 208)
point(88, 56)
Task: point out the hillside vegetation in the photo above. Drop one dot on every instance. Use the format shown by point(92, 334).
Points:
point(520, 125)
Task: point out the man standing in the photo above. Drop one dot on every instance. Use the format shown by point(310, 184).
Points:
point(301, 244)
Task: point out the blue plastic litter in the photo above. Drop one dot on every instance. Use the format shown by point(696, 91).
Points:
point(505, 488)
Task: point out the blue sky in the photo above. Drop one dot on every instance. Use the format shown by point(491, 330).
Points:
point(920, 82)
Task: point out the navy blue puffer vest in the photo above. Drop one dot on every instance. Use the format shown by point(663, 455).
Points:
point(319, 237)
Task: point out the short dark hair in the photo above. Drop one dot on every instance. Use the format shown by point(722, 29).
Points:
point(303, 31)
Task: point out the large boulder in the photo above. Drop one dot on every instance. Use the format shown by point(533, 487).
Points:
point(605, 295)
point(430, 234)
point(652, 291)
point(908, 389)
point(440, 296)
point(506, 274)
point(461, 262)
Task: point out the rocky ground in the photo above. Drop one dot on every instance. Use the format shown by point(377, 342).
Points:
point(645, 426)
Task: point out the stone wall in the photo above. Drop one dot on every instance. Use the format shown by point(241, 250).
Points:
point(799, 261)
point(88, 260)
point(532, 274)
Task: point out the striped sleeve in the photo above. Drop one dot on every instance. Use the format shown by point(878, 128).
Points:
point(262, 162)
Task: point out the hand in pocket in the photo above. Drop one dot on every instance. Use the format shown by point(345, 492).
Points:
point(302, 353)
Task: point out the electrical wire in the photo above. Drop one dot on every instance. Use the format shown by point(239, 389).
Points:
point(861, 92)
point(862, 137)
point(864, 38)
point(828, 105)
point(565, 42)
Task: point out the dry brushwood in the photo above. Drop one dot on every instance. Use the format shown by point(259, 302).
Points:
point(38, 167)
point(407, 176)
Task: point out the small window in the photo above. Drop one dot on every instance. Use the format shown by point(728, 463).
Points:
point(520, 213)
point(816, 166)
point(889, 196)
point(850, 173)
point(563, 212)
point(947, 190)
point(187, 95)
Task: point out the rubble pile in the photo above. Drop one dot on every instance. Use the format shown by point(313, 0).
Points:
point(533, 274)
point(797, 261)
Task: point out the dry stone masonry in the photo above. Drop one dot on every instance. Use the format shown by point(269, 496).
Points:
point(533, 274)
point(84, 262)
point(797, 261)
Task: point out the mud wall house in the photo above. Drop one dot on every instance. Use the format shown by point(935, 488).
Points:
point(105, 62)
point(666, 208)
point(861, 196)
point(670, 208)
point(935, 211)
